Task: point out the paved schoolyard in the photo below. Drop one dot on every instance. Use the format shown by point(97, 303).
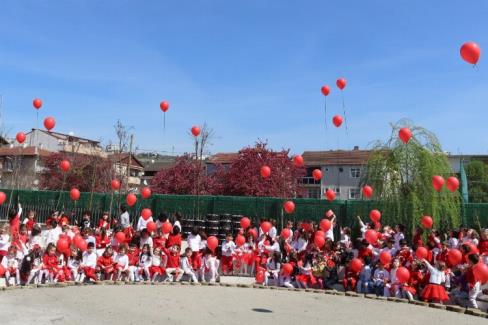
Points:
point(164, 304)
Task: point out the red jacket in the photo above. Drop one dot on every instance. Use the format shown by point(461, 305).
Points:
point(105, 262)
point(50, 261)
point(173, 259)
point(133, 257)
point(173, 240)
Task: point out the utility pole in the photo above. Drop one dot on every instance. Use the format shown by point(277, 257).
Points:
point(129, 163)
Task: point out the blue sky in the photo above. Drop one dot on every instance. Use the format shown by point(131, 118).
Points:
point(250, 69)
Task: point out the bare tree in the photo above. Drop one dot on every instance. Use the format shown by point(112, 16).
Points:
point(122, 132)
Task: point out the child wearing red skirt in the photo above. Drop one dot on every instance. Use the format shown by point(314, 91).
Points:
point(50, 263)
point(228, 247)
point(105, 264)
point(156, 269)
point(435, 291)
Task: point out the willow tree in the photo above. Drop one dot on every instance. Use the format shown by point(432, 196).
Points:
point(401, 175)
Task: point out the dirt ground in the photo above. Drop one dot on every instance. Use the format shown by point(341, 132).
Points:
point(208, 305)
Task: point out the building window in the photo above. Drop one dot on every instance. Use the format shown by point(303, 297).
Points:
point(337, 190)
point(354, 193)
point(314, 193)
point(355, 172)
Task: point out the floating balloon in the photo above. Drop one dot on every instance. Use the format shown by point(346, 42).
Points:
point(375, 215)
point(245, 223)
point(356, 265)
point(454, 257)
point(405, 135)
point(402, 274)
point(240, 240)
point(151, 226)
point(298, 161)
point(164, 105)
point(371, 236)
point(212, 242)
point(120, 237)
point(319, 241)
point(265, 172)
point(337, 120)
point(115, 184)
point(74, 194)
point(289, 207)
point(421, 253)
point(131, 199)
point(325, 224)
point(325, 90)
point(37, 103)
point(65, 165)
point(166, 228)
point(49, 123)
point(285, 233)
point(62, 244)
point(426, 222)
point(470, 52)
point(3, 197)
point(437, 182)
point(452, 184)
point(330, 195)
point(195, 130)
point(20, 137)
point(367, 191)
point(385, 257)
point(146, 192)
point(266, 226)
point(341, 83)
point(146, 213)
point(317, 174)
point(287, 269)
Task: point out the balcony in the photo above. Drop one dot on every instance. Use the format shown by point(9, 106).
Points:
point(309, 181)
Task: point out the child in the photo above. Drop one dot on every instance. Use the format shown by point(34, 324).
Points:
point(74, 261)
point(4, 241)
point(50, 263)
point(156, 269)
point(398, 236)
point(104, 222)
point(380, 277)
point(32, 266)
point(121, 262)
point(186, 265)
point(11, 266)
point(89, 263)
point(133, 256)
point(210, 266)
point(435, 290)
point(364, 280)
point(228, 247)
point(146, 239)
point(273, 267)
point(173, 264)
point(474, 285)
point(14, 220)
point(105, 264)
point(29, 222)
point(392, 287)
point(145, 260)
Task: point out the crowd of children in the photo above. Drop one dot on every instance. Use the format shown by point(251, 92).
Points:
point(440, 267)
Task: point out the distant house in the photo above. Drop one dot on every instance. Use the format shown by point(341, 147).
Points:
point(151, 168)
point(223, 159)
point(123, 161)
point(21, 167)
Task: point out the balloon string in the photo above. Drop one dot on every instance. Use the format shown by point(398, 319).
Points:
point(344, 109)
point(325, 111)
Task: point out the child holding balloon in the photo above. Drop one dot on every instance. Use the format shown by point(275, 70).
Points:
point(228, 247)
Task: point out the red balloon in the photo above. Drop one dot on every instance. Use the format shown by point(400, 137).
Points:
point(81, 244)
point(371, 236)
point(3, 197)
point(452, 184)
point(164, 105)
point(356, 265)
point(2, 270)
point(437, 182)
point(146, 192)
point(240, 240)
point(317, 174)
point(212, 242)
point(405, 135)
point(325, 90)
point(325, 224)
point(166, 228)
point(287, 269)
point(252, 232)
point(120, 237)
point(146, 213)
point(74, 194)
point(49, 123)
point(37, 103)
point(64, 165)
point(265, 172)
point(289, 207)
point(402, 274)
point(195, 130)
point(367, 191)
point(20, 137)
point(421, 253)
point(337, 120)
point(298, 161)
point(330, 195)
point(115, 184)
point(470, 52)
point(151, 226)
point(266, 226)
point(480, 271)
point(285, 233)
point(385, 257)
point(454, 257)
point(77, 237)
point(426, 222)
point(260, 276)
point(341, 83)
point(245, 223)
point(319, 241)
point(62, 244)
point(375, 215)
point(131, 199)
point(320, 233)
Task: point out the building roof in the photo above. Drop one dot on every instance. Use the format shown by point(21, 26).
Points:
point(27, 151)
point(223, 158)
point(158, 165)
point(67, 137)
point(336, 157)
point(124, 157)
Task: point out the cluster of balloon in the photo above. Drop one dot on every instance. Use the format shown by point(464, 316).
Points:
point(405, 134)
point(74, 194)
point(146, 213)
point(337, 120)
point(367, 191)
point(245, 223)
point(298, 161)
point(356, 265)
point(212, 243)
point(289, 207)
point(317, 174)
point(437, 182)
point(452, 184)
point(470, 52)
point(325, 91)
point(146, 192)
point(375, 215)
point(341, 84)
point(20, 137)
point(330, 195)
point(402, 274)
point(166, 228)
point(115, 184)
point(265, 171)
point(195, 130)
point(49, 123)
point(164, 106)
point(426, 222)
point(3, 197)
point(65, 165)
point(131, 199)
